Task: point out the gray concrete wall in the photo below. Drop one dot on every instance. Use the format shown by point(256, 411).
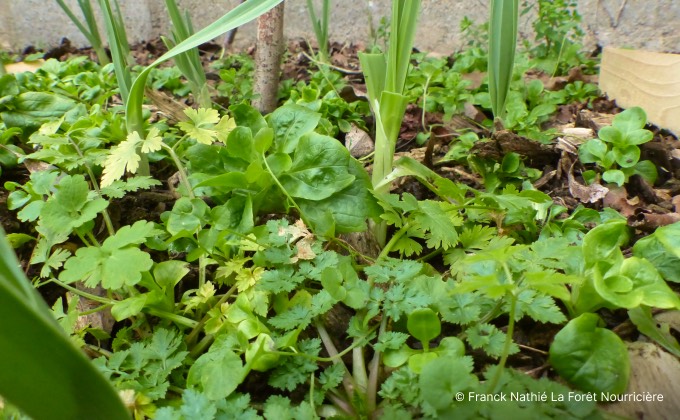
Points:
point(647, 24)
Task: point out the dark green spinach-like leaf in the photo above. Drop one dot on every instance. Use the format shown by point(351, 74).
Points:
point(320, 168)
point(593, 359)
point(290, 123)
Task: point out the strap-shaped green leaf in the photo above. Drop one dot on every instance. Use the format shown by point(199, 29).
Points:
point(43, 373)
point(502, 42)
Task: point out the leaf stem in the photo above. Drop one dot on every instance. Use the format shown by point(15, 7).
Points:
point(283, 190)
point(393, 240)
point(90, 296)
point(336, 357)
point(374, 371)
point(508, 342)
point(183, 178)
point(95, 185)
point(178, 319)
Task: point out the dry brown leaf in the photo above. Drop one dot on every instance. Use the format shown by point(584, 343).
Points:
point(652, 371)
point(585, 193)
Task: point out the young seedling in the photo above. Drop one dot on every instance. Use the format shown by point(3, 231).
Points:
point(616, 149)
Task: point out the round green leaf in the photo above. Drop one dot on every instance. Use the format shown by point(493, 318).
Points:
point(592, 150)
point(424, 325)
point(396, 358)
point(604, 240)
point(627, 156)
point(611, 135)
point(419, 360)
point(639, 136)
point(614, 176)
point(647, 170)
point(510, 163)
point(589, 176)
point(259, 354)
point(631, 119)
point(591, 358)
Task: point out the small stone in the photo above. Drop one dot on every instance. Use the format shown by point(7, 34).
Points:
point(358, 142)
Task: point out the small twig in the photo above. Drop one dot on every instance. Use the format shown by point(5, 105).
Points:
point(537, 370)
point(544, 353)
point(334, 67)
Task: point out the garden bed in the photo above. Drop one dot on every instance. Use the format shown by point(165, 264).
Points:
point(243, 276)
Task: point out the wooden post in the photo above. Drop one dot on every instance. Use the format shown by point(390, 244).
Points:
point(268, 59)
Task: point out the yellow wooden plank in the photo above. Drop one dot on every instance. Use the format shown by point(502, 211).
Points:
point(646, 79)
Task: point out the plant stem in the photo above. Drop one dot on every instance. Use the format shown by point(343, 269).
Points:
point(276, 181)
point(202, 345)
point(178, 319)
point(95, 310)
point(342, 405)
point(359, 370)
point(183, 178)
point(105, 214)
point(374, 372)
point(347, 382)
point(508, 342)
point(90, 296)
point(393, 240)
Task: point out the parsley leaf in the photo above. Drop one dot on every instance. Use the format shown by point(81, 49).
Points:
point(116, 263)
point(488, 338)
point(70, 207)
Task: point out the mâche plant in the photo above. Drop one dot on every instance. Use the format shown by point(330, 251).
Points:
point(616, 149)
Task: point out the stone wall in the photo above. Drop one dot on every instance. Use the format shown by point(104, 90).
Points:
point(645, 24)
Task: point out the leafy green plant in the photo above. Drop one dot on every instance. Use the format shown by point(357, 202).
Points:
point(616, 149)
point(580, 92)
point(437, 87)
point(530, 107)
point(70, 386)
point(320, 25)
point(188, 62)
point(282, 164)
point(236, 78)
point(322, 95)
point(661, 249)
point(510, 171)
point(385, 80)
point(88, 28)
point(557, 27)
point(241, 14)
point(613, 281)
